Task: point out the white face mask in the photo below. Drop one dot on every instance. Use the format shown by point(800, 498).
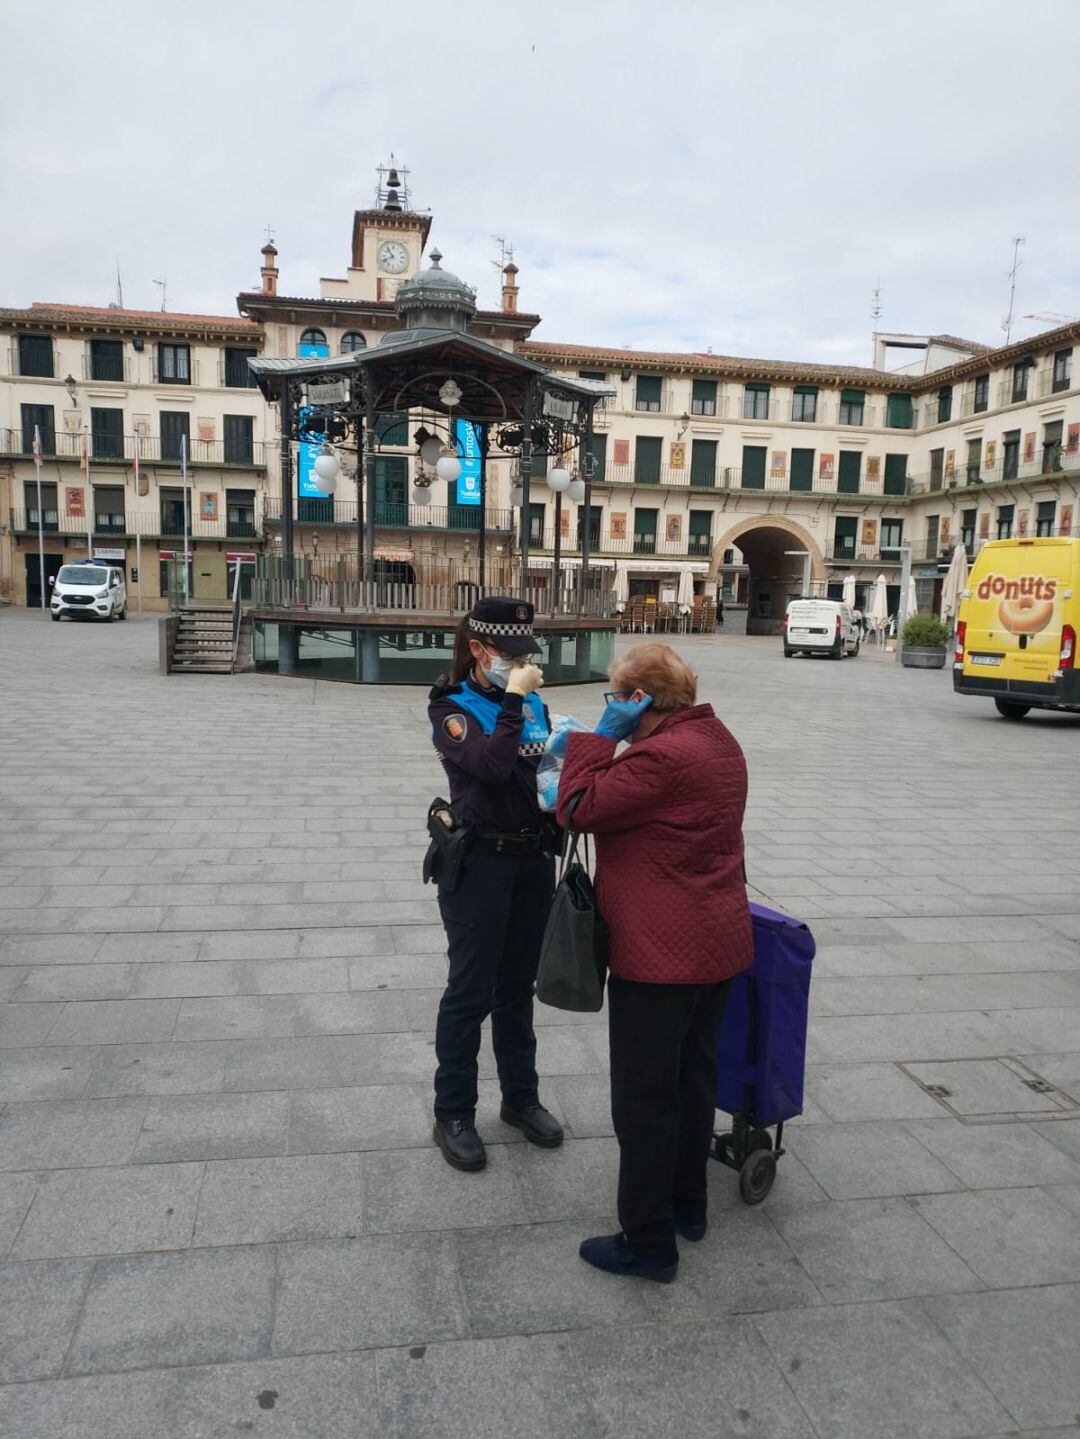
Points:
point(499, 669)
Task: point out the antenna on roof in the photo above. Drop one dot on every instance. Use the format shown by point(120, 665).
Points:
point(876, 312)
point(119, 287)
point(163, 283)
point(506, 252)
point(1007, 322)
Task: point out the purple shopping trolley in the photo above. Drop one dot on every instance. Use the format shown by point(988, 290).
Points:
point(761, 1050)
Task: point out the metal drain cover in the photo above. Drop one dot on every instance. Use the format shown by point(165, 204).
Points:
point(987, 1091)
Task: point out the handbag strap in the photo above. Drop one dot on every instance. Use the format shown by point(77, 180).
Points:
point(569, 856)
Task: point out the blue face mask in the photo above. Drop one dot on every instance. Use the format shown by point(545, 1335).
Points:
point(498, 669)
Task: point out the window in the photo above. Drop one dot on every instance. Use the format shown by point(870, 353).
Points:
point(898, 412)
point(852, 406)
point(703, 397)
point(700, 532)
point(753, 467)
point(42, 417)
point(892, 537)
point(1004, 522)
point(592, 375)
point(352, 341)
point(937, 469)
point(968, 519)
point(1045, 516)
point(647, 458)
point(537, 517)
point(756, 402)
point(802, 469)
point(175, 426)
point(982, 393)
point(109, 509)
point(239, 446)
point(1010, 461)
point(599, 454)
point(239, 515)
point(1020, 380)
point(703, 463)
point(804, 403)
point(595, 512)
point(849, 473)
point(845, 531)
point(1062, 371)
point(391, 501)
point(895, 475)
point(932, 525)
point(50, 518)
point(106, 359)
point(1051, 448)
point(174, 365)
point(973, 468)
point(107, 434)
point(172, 511)
point(944, 404)
point(392, 429)
point(648, 393)
point(645, 532)
point(313, 345)
point(237, 374)
point(36, 355)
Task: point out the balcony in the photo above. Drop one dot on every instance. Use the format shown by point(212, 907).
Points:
point(756, 406)
point(165, 523)
point(388, 515)
point(1049, 383)
point(106, 369)
point(152, 449)
point(1063, 462)
point(841, 552)
point(661, 406)
point(605, 545)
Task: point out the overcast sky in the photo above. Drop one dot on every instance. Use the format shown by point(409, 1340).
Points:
point(679, 175)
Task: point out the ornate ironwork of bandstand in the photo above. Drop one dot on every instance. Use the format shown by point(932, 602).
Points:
point(430, 374)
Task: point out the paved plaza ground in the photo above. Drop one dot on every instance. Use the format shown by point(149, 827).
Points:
point(220, 1209)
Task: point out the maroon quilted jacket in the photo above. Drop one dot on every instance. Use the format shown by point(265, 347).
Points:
point(667, 814)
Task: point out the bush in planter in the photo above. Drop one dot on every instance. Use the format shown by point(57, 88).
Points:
point(926, 632)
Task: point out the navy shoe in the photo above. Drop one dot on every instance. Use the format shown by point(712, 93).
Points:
point(611, 1253)
point(690, 1226)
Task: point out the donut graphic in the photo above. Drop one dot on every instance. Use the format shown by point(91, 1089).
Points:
point(1025, 615)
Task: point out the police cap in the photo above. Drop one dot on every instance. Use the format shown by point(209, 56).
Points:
point(505, 623)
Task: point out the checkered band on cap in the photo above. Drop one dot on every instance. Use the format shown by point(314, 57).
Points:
point(481, 627)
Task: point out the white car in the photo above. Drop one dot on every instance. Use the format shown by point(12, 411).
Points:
point(89, 588)
point(821, 627)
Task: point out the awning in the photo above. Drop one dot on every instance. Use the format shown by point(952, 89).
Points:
point(568, 561)
point(662, 567)
point(397, 557)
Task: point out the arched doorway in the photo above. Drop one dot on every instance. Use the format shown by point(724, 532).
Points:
point(773, 549)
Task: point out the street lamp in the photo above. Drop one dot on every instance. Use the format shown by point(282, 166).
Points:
point(72, 389)
point(558, 482)
point(327, 469)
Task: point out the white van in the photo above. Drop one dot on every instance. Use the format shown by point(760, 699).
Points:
point(821, 627)
point(89, 588)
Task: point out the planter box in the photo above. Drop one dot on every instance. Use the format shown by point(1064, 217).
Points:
point(923, 657)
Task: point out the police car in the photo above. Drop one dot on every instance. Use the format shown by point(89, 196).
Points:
point(92, 588)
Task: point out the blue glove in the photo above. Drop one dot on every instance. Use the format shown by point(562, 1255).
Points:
point(621, 718)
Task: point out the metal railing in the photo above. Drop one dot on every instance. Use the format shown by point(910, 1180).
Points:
point(662, 406)
point(152, 449)
point(149, 524)
point(1062, 462)
point(390, 515)
point(235, 376)
point(854, 554)
point(1049, 384)
point(190, 383)
point(605, 543)
point(106, 369)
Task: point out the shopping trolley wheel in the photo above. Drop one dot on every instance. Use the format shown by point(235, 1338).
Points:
point(759, 1139)
point(757, 1175)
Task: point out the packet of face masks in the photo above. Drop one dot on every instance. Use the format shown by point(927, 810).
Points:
point(550, 769)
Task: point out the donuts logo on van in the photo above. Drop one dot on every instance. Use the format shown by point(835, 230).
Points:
point(1027, 604)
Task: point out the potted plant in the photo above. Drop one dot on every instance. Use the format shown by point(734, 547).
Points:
point(925, 639)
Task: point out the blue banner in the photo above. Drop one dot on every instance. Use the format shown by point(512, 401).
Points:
point(468, 485)
point(308, 450)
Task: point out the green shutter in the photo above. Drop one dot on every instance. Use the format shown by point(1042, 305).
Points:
point(896, 474)
point(648, 392)
point(850, 470)
point(703, 463)
point(845, 532)
point(898, 412)
point(644, 522)
point(852, 397)
point(648, 453)
point(599, 454)
point(802, 469)
point(392, 429)
point(753, 467)
point(390, 504)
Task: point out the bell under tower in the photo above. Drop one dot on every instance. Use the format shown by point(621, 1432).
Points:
point(388, 242)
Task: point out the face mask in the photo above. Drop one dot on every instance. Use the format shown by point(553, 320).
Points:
point(499, 669)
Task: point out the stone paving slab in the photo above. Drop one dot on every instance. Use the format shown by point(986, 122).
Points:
point(225, 1009)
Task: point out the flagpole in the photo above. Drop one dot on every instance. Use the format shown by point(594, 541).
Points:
point(138, 527)
point(89, 498)
point(184, 481)
point(40, 520)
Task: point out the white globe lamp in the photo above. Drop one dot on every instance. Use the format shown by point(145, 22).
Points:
point(448, 468)
point(576, 490)
point(327, 470)
point(430, 451)
point(421, 495)
point(558, 479)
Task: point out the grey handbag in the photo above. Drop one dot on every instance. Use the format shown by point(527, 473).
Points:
point(574, 951)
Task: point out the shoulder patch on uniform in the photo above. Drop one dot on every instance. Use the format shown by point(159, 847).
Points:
point(455, 727)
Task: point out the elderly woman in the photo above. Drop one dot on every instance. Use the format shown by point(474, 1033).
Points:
point(667, 814)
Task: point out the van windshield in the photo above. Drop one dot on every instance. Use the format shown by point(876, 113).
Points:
point(81, 575)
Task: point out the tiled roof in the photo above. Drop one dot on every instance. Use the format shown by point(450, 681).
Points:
point(706, 364)
point(382, 307)
point(46, 311)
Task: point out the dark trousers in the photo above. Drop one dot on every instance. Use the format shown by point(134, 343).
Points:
point(494, 925)
point(663, 1103)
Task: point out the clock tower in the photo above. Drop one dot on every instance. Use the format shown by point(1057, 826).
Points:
point(387, 243)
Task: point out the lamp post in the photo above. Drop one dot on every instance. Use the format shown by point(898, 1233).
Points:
point(558, 481)
point(905, 585)
point(73, 395)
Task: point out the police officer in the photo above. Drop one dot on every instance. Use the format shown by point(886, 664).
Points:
point(489, 726)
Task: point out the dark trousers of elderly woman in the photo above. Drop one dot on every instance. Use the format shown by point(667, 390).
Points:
point(663, 1103)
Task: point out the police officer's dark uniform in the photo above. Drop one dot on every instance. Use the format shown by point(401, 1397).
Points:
point(490, 742)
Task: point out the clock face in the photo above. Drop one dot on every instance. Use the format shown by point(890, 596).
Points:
point(393, 256)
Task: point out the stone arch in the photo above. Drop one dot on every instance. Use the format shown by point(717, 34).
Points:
point(773, 574)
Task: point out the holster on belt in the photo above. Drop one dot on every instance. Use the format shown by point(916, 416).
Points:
point(449, 847)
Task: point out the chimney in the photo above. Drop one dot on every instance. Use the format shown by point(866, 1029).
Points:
point(269, 269)
point(510, 289)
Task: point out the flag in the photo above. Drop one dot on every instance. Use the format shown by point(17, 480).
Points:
point(37, 446)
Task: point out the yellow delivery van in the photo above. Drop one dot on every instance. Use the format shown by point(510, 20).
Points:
point(1017, 627)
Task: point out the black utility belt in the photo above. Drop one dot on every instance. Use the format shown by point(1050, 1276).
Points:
point(490, 841)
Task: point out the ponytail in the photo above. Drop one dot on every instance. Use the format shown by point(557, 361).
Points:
point(462, 661)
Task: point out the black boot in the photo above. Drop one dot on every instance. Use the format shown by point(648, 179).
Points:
point(537, 1125)
point(461, 1145)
